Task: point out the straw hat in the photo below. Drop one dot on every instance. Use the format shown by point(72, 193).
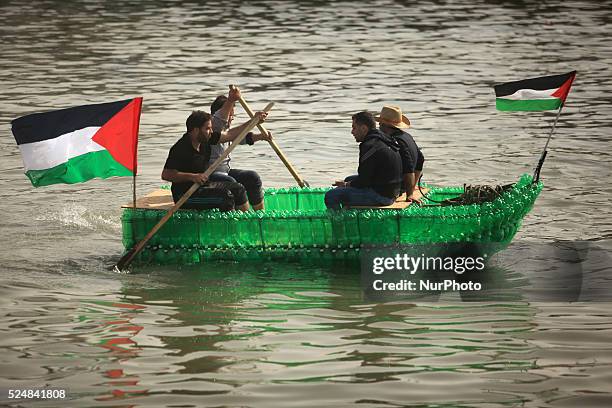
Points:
point(392, 115)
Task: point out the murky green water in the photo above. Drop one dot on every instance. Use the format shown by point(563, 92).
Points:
point(275, 334)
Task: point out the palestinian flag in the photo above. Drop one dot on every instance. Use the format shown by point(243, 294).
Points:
point(535, 94)
point(77, 144)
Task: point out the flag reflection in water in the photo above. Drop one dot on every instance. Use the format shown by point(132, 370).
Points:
point(117, 330)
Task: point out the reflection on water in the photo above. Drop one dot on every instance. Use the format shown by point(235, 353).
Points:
point(263, 335)
point(236, 334)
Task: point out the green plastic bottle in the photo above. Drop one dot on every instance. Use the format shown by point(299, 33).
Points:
point(127, 222)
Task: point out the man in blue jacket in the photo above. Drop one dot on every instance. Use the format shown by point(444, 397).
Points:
point(379, 177)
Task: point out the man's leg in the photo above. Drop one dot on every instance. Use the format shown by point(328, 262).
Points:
point(220, 176)
point(252, 183)
point(213, 194)
point(343, 196)
point(225, 177)
point(335, 197)
point(240, 196)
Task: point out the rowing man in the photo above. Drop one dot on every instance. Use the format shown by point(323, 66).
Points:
point(222, 111)
point(189, 158)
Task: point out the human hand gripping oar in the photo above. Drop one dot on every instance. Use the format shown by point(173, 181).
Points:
point(301, 182)
point(129, 257)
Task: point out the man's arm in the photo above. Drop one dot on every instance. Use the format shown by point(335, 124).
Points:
point(418, 170)
point(176, 176)
point(231, 134)
point(417, 176)
point(366, 169)
point(262, 136)
point(232, 97)
point(409, 183)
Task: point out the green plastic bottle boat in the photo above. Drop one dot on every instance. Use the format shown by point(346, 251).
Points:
point(296, 225)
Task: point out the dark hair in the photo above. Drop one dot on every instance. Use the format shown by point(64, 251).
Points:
point(365, 118)
point(197, 119)
point(217, 104)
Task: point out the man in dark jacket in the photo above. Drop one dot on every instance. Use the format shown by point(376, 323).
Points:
point(393, 123)
point(378, 181)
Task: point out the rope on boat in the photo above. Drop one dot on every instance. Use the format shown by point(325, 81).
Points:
point(477, 194)
point(472, 194)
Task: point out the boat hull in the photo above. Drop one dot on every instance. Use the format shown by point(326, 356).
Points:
point(296, 226)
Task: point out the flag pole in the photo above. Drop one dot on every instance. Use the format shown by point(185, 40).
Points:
point(134, 190)
point(536, 173)
point(136, 129)
point(134, 202)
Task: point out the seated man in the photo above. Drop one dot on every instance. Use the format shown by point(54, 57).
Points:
point(379, 177)
point(222, 111)
point(391, 123)
point(189, 158)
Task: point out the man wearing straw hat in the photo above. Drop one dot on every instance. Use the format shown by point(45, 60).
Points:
point(392, 123)
point(379, 177)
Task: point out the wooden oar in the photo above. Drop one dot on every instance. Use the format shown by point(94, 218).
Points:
point(301, 182)
point(127, 258)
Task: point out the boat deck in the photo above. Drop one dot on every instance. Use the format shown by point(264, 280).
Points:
point(161, 199)
point(401, 202)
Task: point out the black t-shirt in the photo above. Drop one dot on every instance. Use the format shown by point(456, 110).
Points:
point(184, 158)
point(412, 157)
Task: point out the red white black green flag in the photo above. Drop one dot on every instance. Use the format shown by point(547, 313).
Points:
point(535, 94)
point(80, 143)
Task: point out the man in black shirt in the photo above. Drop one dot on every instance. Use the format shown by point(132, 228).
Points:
point(392, 123)
point(188, 160)
point(379, 177)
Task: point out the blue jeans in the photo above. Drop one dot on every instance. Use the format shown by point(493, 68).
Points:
point(343, 196)
point(248, 178)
